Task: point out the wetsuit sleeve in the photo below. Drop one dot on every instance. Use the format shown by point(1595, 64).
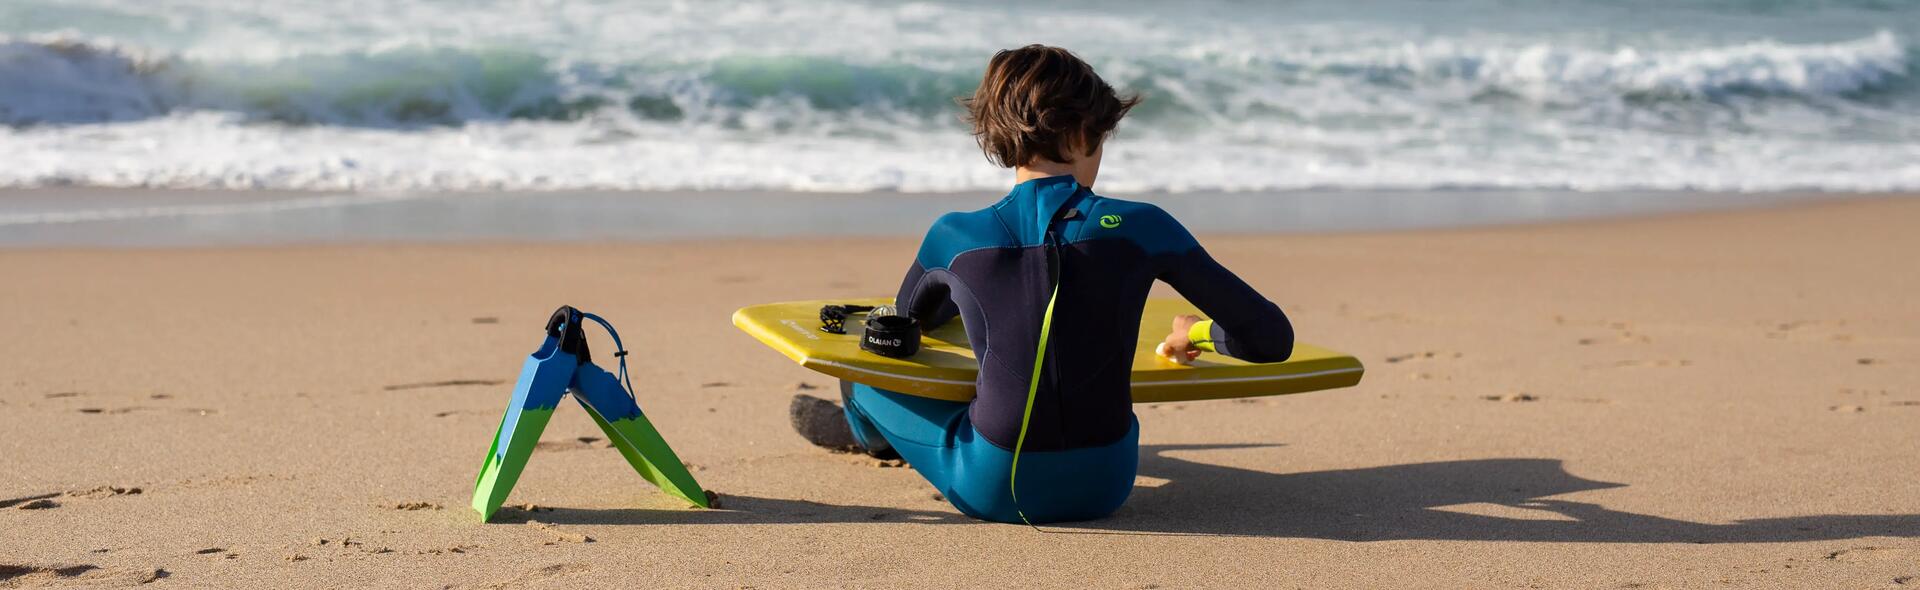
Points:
point(925, 297)
point(1245, 325)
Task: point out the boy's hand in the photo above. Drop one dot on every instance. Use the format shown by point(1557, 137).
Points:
point(1177, 348)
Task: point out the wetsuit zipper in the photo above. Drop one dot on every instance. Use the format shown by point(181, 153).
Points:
point(1045, 363)
point(1054, 277)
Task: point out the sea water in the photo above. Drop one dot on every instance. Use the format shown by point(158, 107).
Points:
point(1568, 96)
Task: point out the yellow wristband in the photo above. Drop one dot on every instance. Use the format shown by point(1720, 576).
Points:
point(1201, 335)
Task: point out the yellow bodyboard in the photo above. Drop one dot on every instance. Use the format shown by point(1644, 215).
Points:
point(945, 367)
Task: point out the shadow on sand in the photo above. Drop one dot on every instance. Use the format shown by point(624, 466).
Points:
point(1395, 502)
point(733, 510)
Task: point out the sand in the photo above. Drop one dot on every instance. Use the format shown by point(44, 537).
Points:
point(1700, 400)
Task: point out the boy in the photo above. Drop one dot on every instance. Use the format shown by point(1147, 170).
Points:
point(1050, 282)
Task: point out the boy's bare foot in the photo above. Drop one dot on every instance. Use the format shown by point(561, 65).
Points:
point(822, 423)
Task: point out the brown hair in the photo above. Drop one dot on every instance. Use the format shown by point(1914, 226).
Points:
point(1038, 102)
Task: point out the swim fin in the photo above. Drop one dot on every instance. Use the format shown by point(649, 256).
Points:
point(543, 380)
point(563, 364)
point(615, 411)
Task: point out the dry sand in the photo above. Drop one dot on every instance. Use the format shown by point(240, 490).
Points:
point(1705, 400)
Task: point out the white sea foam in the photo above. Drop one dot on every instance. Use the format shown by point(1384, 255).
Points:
point(148, 212)
point(843, 95)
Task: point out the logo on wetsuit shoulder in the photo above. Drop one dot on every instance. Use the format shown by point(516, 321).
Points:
point(1109, 221)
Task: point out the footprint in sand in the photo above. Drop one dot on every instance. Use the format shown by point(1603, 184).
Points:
point(1623, 337)
point(1623, 333)
point(456, 549)
point(47, 500)
point(13, 573)
point(416, 506)
point(520, 513)
point(105, 492)
point(1391, 316)
point(578, 443)
point(347, 544)
point(1628, 364)
point(1854, 391)
point(132, 409)
point(1512, 397)
point(446, 383)
point(1421, 356)
point(556, 535)
point(127, 409)
point(16, 575)
point(1789, 329)
point(233, 480)
point(1862, 554)
point(551, 571)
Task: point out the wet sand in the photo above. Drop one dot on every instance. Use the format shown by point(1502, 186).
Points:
point(1713, 399)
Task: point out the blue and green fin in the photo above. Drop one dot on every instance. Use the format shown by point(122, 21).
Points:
point(615, 411)
point(543, 381)
point(547, 376)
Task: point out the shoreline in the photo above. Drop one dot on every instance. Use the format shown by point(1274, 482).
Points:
point(142, 218)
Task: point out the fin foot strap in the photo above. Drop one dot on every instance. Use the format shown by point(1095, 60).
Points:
point(620, 352)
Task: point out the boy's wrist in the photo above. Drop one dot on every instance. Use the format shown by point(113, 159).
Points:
point(1200, 335)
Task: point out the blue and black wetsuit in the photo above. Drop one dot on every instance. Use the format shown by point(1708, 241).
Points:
point(995, 269)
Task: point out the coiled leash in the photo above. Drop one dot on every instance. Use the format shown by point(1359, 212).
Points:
point(887, 333)
point(833, 318)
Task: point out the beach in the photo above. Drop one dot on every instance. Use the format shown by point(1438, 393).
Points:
point(1632, 282)
point(1701, 399)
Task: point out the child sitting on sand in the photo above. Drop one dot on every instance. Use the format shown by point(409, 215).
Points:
point(1049, 281)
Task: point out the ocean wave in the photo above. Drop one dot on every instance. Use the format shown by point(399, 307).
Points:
point(1245, 110)
point(58, 80)
point(1769, 67)
point(64, 81)
point(211, 151)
